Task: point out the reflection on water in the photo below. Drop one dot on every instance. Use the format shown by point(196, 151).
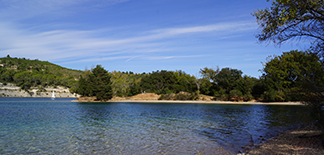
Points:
point(42, 126)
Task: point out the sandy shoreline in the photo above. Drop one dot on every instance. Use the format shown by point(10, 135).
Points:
point(305, 139)
point(197, 102)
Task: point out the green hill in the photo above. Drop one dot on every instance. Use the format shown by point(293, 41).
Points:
point(35, 73)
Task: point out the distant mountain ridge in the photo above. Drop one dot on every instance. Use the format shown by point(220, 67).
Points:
point(27, 73)
point(23, 64)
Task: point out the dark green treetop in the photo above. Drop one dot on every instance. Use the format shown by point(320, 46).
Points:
point(100, 83)
point(294, 70)
point(227, 78)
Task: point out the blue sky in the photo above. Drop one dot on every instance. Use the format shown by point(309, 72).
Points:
point(137, 35)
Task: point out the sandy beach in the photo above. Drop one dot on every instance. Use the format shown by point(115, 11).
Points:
point(207, 102)
point(195, 102)
point(154, 98)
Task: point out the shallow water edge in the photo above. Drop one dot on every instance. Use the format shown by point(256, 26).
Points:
point(45, 126)
point(198, 102)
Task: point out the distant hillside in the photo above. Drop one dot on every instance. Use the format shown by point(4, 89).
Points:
point(35, 73)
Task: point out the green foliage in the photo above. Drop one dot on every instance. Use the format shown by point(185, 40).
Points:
point(135, 88)
point(162, 82)
point(96, 83)
point(291, 72)
point(209, 73)
point(185, 82)
point(31, 73)
point(289, 19)
point(216, 80)
point(285, 78)
point(84, 89)
point(271, 96)
point(179, 96)
point(259, 88)
point(208, 88)
point(245, 85)
point(235, 93)
point(126, 84)
point(100, 82)
point(248, 97)
point(228, 77)
point(185, 96)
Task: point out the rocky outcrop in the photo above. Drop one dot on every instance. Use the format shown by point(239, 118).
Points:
point(11, 90)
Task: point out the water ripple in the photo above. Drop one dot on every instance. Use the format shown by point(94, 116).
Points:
point(42, 126)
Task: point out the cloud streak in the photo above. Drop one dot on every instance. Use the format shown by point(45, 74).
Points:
point(15, 10)
point(174, 57)
point(83, 46)
point(229, 26)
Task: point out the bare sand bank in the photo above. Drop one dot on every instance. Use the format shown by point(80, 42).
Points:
point(154, 98)
point(305, 140)
point(207, 102)
point(194, 102)
point(202, 99)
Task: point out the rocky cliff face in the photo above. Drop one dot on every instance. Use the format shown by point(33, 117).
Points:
point(11, 90)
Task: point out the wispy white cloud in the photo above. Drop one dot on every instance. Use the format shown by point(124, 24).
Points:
point(85, 46)
point(221, 28)
point(144, 54)
point(21, 9)
point(174, 57)
point(97, 59)
point(229, 26)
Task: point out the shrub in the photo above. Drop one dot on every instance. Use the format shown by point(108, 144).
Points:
point(224, 97)
point(179, 96)
point(161, 97)
point(248, 97)
point(221, 91)
point(167, 91)
point(273, 95)
point(235, 93)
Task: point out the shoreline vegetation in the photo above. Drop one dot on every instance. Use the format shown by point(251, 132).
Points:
point(155, 98)
point(277, 83)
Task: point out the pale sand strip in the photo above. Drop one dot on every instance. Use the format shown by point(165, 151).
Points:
point(305, 140)
point(202, 102)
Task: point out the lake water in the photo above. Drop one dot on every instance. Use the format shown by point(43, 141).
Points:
point(43, 126)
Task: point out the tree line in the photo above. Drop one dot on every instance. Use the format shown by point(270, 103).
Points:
point(283, 79)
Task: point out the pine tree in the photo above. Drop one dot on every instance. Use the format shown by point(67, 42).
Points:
point(100, 81)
